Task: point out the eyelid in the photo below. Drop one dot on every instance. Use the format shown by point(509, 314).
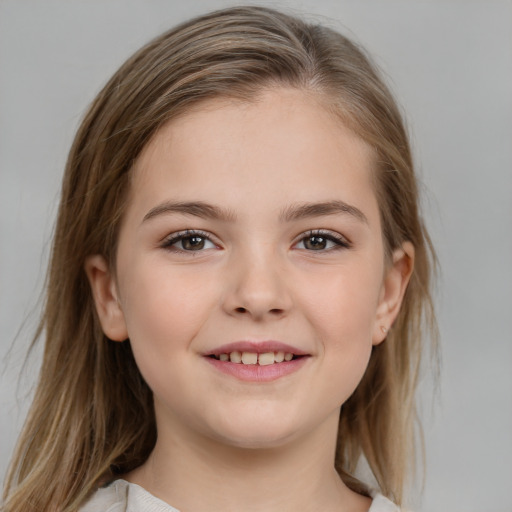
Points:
point(172, 238)
point(342, 242)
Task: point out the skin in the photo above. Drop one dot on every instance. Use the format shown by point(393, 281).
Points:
point(246, 445)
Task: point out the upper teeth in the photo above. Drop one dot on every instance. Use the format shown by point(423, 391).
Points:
point(253, 358)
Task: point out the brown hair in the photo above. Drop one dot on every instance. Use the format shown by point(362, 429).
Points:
point(92, 415)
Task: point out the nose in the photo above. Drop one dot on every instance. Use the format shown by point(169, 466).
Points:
point(258, 288)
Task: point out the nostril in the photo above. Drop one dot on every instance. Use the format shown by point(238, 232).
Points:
point(273, 311)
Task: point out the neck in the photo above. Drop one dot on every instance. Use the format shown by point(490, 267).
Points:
point(201, 474)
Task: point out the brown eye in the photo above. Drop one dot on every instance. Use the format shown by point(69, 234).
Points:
point(188, 241)
point(193, 243)
point(315, 243)
point(323, 242)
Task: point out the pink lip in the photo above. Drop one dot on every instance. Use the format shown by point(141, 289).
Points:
point(255, 372)
point(258, 347)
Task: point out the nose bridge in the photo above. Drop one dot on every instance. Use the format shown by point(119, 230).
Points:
point(258, 282)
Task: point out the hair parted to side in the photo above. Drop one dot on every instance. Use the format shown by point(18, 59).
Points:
point(92, 416)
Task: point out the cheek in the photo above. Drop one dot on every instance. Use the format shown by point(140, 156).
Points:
point(344, 303)
point(343, 317)
point(164, 309)
point(156, 296)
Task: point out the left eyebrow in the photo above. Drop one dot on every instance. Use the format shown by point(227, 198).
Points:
point(304, 210)
point(196, 209)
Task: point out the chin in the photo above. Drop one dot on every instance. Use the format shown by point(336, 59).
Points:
point(257, 441)
point(256, 434)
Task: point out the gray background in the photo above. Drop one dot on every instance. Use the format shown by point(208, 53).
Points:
point(450, 64)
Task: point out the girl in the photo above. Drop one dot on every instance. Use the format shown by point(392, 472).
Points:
point(238, 285)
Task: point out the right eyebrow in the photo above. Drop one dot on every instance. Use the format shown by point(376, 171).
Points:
point(336, 207)
point(196, 209)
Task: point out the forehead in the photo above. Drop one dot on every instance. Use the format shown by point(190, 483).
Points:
point(285, 144)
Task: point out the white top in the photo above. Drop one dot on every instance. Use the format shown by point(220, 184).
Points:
point(123, 496)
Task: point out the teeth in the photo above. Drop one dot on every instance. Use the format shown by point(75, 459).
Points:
point(235, 357)
point(264, 359)
point(249, 358)
point(279, 357)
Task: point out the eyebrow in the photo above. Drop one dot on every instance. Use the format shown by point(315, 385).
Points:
point(304, 210)
point(289, 214)
point(196, 209)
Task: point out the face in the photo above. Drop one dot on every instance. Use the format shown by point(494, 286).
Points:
point(253, 233)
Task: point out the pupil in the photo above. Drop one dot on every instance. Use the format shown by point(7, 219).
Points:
point(193, 243)
point(315, 242)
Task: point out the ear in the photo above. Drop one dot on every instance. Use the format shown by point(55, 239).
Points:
point(395, 283)
point(104, 291)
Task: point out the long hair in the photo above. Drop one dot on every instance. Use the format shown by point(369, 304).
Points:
point(92, 415)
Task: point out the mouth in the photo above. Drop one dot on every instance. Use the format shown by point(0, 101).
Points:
point(261, 361)
point(255, 358)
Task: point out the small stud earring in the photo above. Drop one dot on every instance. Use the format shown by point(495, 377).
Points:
point(384, 330)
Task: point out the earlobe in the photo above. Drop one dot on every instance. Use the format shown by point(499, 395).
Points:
point(393, 290)
point(104, 291)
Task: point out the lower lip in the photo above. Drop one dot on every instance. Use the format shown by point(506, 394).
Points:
point(256, 372)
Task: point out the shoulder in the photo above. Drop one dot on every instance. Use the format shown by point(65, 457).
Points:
point(382, 504)
point(122, 496)
point(111, 498)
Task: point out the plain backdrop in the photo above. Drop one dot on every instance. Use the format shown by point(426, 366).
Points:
point(450, 65)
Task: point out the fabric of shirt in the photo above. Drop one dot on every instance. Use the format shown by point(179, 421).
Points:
point(123, 496)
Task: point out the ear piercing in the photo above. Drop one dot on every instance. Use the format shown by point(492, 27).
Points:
point(383, 329)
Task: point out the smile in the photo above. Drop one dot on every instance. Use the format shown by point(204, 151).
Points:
point(262, 359)
point(257, 361)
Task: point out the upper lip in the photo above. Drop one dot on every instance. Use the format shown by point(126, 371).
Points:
point(258, 347)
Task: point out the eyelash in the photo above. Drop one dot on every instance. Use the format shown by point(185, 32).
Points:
point(182, 235)
point(340, 241)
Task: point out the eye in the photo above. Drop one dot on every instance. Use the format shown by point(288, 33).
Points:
point(322, 241)
point(188, 241)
